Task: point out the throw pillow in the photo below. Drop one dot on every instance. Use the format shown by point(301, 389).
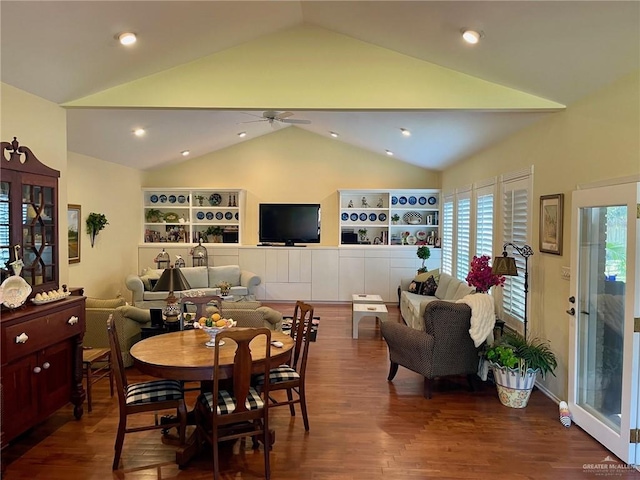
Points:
point(430, 286)
point(422, 277)
point(415, 287)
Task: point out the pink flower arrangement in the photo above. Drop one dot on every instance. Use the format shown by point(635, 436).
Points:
point(481, 275)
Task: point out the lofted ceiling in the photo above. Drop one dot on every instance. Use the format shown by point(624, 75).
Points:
point(64, 51)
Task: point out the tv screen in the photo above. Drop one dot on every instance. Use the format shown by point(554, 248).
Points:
point(289, 223)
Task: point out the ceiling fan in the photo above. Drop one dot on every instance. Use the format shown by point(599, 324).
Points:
point(272, 117)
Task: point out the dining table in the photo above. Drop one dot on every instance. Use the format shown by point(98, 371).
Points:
point(184, 355)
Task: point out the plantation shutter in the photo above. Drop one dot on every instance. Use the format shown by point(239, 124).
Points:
point(447, 234)
point(463, 235)
point(484, 221)
point(515, 229)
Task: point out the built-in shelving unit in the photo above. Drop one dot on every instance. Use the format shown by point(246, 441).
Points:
point(367, 217)
point(185, 215)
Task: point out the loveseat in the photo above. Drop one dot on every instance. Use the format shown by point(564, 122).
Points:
point(202, 280)
point(412, 305)
point(128, 320)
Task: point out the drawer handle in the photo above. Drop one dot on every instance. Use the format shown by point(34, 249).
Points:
point(73, 320)
point(22, 338)
point(37, 370)
point(46, 365)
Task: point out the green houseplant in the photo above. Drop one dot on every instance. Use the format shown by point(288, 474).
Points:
point(153, 215)
point(423, 253)
point(215, 231)
point(95, 223)
point(394, 218)
point(516, 363)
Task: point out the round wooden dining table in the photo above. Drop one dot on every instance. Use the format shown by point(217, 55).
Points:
point(184, 356)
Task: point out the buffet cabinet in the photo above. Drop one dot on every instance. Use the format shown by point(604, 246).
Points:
point(41, 363)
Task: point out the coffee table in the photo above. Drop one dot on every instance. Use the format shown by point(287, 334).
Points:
point(361, 310)
point(366, 298)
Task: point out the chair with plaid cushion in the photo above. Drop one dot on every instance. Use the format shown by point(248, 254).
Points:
point(237, 411)
point(142, 397)
point(291, 377)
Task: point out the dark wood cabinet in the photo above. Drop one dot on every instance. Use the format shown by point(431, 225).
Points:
point(41, 363)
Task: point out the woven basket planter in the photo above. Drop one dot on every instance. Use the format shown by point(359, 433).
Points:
point(514, 389)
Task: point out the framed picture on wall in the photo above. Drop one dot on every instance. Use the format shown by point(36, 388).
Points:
point(73, 224)
point(551, 212)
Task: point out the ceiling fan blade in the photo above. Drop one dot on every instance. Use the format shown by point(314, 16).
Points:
point(293, 120)
point(254, 121)
point(282, 115)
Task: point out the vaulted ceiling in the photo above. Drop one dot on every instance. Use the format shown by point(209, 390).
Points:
point(364, 69)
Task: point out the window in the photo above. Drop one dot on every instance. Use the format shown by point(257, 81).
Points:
point(484, 220)
point(447, 234)
point(515, 229)
point(463, 234)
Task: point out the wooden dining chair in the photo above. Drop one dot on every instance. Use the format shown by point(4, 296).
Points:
point(219, 414)
point(201, 303)
point(150, 396)
point(292, 377)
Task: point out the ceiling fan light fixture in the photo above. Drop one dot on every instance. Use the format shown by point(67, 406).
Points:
point(185, 153)
point(242, 134)
point(334, 134)
point(127, 38)
point(389, 152)
point(139, 132)
point(471, 36)
point(405, 132)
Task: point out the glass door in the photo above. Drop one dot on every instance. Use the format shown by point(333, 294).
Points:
point(604, 333)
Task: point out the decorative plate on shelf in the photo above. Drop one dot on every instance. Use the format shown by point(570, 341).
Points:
point(182, 199)
point(344, 216)
point(163, 199)
point(219, 216)
point(411, 240)
point(172, 199)
point(402, 200)
point(210, 215)
point(15, 291)
point(215, 199)
point(433, 200)
point(382, 217)
point(237, 216)
point(421, 235)
point(200, 215)
point(422, 200)
point(42, 301)
point(412, 218)
point(354, 217)
point(154, 198)
point(394, 200)
point(412, 200)
point(373, 217)
point(228, 216)
point(363, 217)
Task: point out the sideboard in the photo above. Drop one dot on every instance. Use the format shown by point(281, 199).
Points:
point(41, 363)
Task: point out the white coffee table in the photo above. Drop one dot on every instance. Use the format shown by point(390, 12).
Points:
point(366, 298)
point(361, 310)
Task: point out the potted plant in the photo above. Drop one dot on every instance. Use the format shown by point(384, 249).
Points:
point(395, 218)
point(481, 275)
point(154, 215)
point(199, 198)
point(516, 363)
point(423, 253)
point(363, 234)
point(95, 222)
point(215, 231)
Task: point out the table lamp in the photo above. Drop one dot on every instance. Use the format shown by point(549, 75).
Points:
point(506, 265)
point(171, 280)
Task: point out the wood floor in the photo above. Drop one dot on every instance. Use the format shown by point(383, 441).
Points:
point(362, 427)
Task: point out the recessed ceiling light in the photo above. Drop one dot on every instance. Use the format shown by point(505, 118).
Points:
point(127, 38)
point(405, 132)
point(334, 134)
point(185, 153)
point(389, 152)
point(139, 132)
point(242, 134)
point(471, 36)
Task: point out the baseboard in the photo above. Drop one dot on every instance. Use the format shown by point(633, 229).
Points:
point(549, 394)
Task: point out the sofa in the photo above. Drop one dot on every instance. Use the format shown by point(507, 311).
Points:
point(245, 313)
point(413, 305)
point(202, 280)
point(128, 320)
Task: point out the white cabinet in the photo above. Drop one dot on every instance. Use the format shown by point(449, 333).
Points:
point(184, 215)
point(390, 217)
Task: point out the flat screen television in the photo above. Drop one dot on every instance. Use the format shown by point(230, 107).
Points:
point(289, 223)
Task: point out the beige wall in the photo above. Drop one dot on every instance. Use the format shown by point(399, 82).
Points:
point(594, 139)
point(113, 190)
point(292, 165)
point(42, 126)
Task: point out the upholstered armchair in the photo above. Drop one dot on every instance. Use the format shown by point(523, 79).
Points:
point(443, 348)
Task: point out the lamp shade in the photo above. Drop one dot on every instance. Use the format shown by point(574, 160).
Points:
point(504, 266)
point(171, 280)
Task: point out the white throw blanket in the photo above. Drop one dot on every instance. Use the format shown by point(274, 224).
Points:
point(483, 317)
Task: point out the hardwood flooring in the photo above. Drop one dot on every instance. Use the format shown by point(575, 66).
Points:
point(361, 427)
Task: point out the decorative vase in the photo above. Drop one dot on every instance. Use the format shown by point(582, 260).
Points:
point(514, 388)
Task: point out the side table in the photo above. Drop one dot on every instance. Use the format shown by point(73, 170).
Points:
point(366, 298)
point(361, 310)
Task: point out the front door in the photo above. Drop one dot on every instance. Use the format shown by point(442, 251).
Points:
point(605, 321)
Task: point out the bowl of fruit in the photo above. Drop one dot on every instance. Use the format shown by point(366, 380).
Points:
point(212, 326)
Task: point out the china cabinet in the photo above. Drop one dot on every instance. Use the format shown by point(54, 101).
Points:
point(186, 215)
point(390, 217)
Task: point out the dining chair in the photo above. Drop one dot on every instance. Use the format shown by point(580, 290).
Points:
point(219, 414)
point(292, 377)
point(150, 396)
point(201, 303)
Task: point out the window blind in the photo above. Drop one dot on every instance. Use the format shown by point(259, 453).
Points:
point(463, 235)
point(447, 235)
point(484, 224)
